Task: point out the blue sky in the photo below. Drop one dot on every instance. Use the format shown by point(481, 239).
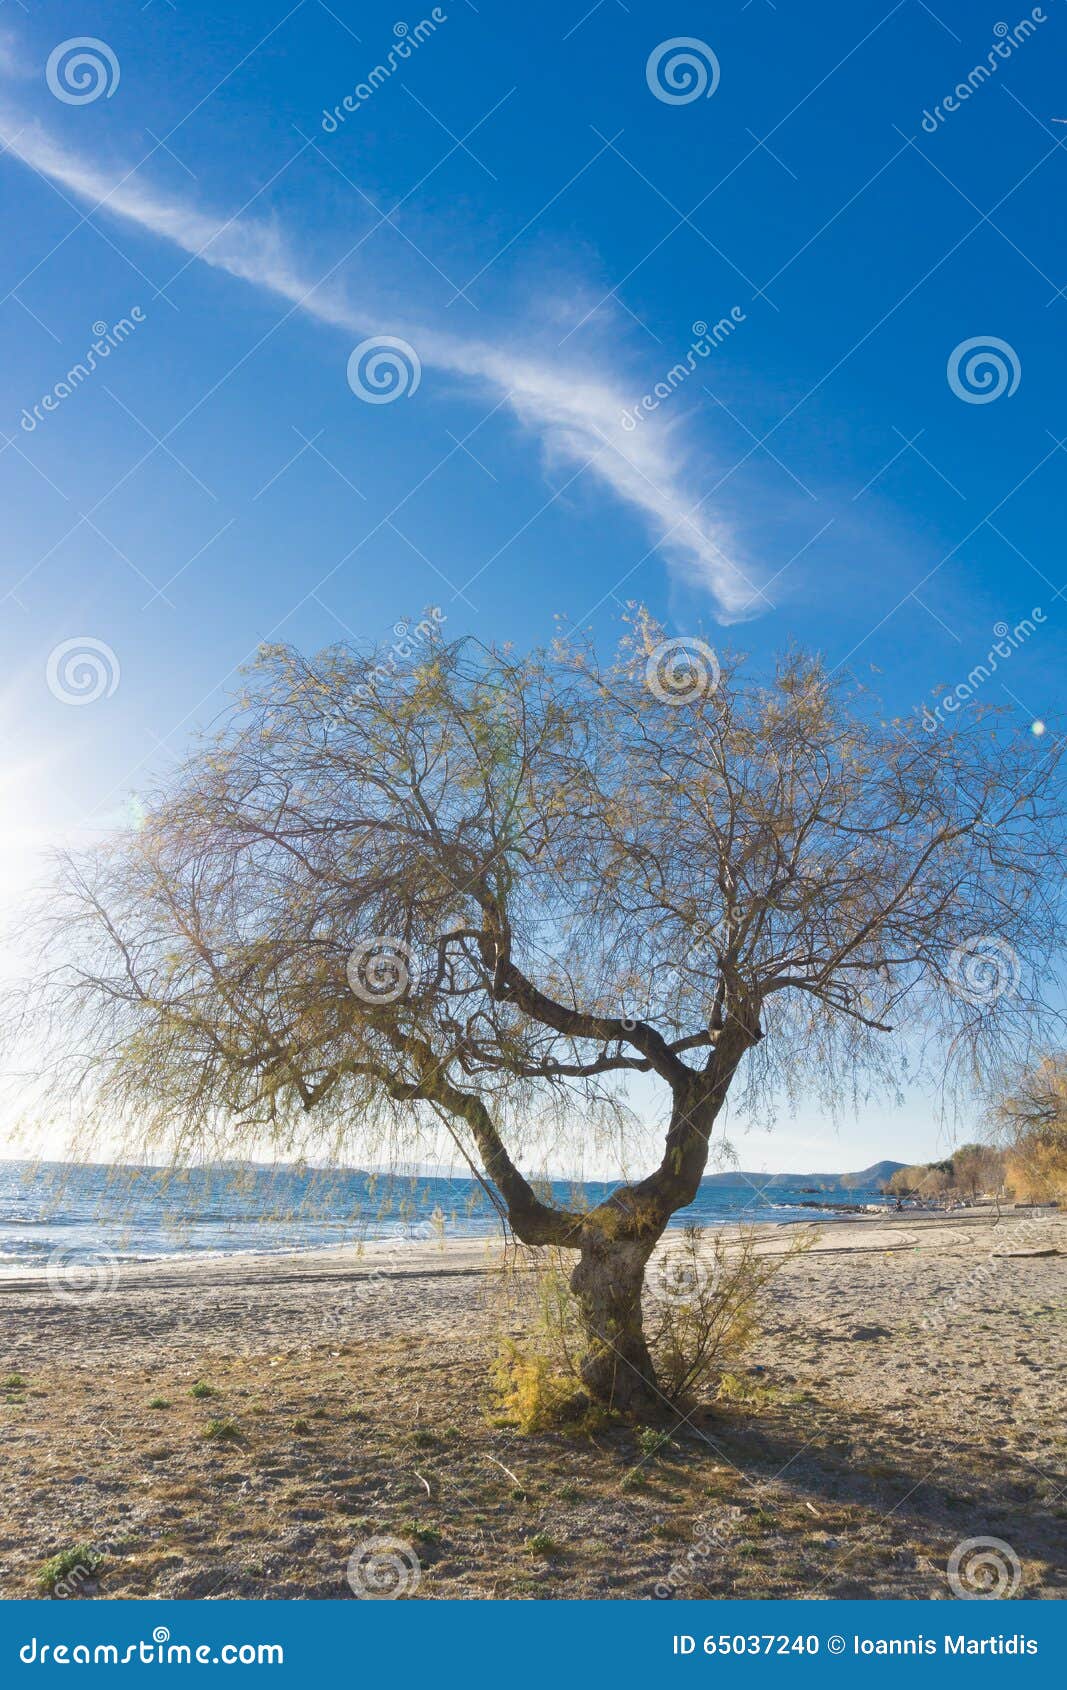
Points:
point(515, 201)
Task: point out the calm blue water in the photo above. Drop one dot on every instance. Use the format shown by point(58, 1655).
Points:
point(140, 1213)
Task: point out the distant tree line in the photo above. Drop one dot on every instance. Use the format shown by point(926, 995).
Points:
point(1026, 1158)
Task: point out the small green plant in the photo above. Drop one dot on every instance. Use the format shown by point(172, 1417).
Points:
point(542, 1544)
point(569, 1493)
point(421, 1534)
point(14, 1382)
point(302, 1427)
point(650, 1441)
point(424, 1439)
point(77, 1563)
point(635, 1479)
point(224, 1431)
point(743, 1389)
point(536, 1383)
point(202, 1389)
point(159, 1402)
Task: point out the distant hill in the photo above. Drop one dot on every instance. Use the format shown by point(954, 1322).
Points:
point(868, 1179)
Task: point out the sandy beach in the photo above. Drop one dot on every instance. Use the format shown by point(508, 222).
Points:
point(906, 1393)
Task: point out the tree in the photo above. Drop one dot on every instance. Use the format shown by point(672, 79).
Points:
point(488, 884)
point(1031, 1116)
point(905, 1182)
point(935, 1181)
point(976, 1171)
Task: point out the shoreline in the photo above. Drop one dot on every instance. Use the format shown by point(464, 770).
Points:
point(239, 1427)
point(388, 1258)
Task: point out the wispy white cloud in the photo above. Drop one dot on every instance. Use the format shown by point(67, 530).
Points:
point(12, 63)
point(574, 411)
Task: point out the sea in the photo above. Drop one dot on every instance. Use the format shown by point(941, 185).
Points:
point(53, 1211)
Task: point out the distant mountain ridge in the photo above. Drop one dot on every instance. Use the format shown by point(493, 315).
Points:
point(868, 1179)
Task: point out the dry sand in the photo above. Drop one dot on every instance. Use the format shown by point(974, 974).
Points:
point(906, 1394)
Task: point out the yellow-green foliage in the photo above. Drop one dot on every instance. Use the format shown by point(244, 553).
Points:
point(530, 1389)
point(536, 1384)
point(702, 1307)
point(1033, 1118)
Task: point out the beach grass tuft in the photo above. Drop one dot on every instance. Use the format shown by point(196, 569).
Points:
point(79, 1562)
point(224, 1431)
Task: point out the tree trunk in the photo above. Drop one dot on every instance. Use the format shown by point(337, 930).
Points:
point(617, 1369)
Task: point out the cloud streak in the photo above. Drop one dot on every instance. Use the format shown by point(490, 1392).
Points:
point(574, 413)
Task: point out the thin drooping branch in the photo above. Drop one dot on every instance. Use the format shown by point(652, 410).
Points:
point(494, 889)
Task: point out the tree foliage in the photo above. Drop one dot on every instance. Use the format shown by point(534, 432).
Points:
point(495, 886)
